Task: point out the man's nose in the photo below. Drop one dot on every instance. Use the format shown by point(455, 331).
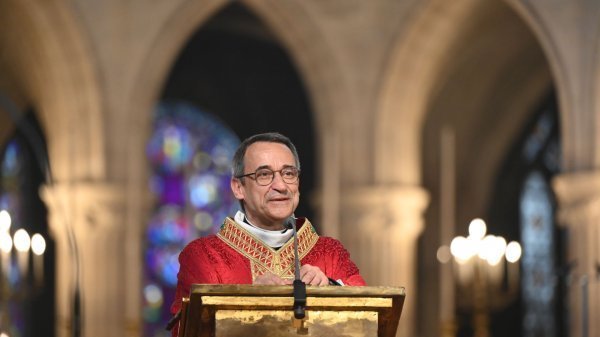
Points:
point(278, 182)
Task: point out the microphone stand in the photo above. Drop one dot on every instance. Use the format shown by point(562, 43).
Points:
point(299, 286)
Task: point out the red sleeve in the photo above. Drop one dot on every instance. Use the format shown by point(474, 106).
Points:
point(192, 269)
point(334, 260)
point(209, 260)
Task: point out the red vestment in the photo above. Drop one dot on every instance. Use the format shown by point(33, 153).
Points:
point(235, 256)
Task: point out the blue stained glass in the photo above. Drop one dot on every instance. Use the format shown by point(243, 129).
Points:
point(538, 137)
point(172, 189)
point(10, 201)
point(203, 221)
point(538, 280)
point(190, 152)
point(221, 157)
point(153, 295)
point(170, 148)
point(204, 190)
point(170, 268)
point(202, 161)
point(11, 162)
point(168, 226)
point(164, 264)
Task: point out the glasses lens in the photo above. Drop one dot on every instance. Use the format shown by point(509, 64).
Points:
point(290, 174)
point(264, 176)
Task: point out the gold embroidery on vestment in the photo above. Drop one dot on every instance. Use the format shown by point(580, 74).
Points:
point(263, 258)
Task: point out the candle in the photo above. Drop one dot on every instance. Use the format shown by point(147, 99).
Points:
point(22, 244)
point(5, 221)
point(6, 245)
point(5, 242)
point(513, 254)
point(38, 246)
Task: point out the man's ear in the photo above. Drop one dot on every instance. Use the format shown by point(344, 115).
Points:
point(237, 188)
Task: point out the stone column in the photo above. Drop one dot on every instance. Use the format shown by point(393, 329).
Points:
point(579, 211)
point(87, 222)
point(380, 227)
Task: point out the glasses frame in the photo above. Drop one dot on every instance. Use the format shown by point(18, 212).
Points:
point(253, 175)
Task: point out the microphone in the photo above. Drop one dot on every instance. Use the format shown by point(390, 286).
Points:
point(299, 286)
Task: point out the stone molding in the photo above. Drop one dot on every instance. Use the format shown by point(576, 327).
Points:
point(395, 208)
point(89, 207)
point(578, 196)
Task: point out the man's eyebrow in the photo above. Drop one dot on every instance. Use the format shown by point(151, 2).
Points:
point(270, 168)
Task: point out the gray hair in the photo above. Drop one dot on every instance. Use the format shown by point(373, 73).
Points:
point(270, 137)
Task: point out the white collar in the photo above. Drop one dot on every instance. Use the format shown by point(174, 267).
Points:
point(273, 239)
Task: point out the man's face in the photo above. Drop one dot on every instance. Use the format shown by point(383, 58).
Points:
point(267, 206)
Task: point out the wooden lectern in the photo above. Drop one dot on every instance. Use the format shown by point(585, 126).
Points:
point(266, 311)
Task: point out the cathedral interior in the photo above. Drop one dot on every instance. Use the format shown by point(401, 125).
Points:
point(414, 121)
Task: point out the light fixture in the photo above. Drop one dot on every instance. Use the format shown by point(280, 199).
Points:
point(481, 264)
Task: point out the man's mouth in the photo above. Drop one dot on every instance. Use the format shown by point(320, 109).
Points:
point(280, 198)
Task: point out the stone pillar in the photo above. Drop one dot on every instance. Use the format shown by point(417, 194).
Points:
point(87, 222)
point(380, 227)
point(579, 211)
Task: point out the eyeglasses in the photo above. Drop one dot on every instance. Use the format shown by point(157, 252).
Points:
point(264, 176)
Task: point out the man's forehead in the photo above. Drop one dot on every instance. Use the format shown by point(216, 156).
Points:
point(268, 151)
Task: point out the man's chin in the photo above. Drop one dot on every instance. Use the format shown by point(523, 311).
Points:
point(281, 214)
point(280, 207)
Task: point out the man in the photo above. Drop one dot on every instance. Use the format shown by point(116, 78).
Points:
point(256, 247)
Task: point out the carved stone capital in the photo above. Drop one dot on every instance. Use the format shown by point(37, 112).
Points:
point(387, 208)
point(86, 208)
point(578, 196)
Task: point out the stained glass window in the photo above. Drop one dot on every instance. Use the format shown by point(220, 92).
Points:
point(190, 153)
point(540, 278)
point(539, 275)
point(523, 209)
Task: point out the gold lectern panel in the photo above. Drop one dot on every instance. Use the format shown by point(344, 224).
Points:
point(267, 323)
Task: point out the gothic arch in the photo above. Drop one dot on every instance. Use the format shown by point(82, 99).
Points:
point(574, 66)
point(291, 24)
point(415, 65)
point(435, 51)
point(51, 68)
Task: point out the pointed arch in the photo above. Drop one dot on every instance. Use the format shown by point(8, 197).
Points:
point(51, 68)
point(415, 67)
point(287, 20)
